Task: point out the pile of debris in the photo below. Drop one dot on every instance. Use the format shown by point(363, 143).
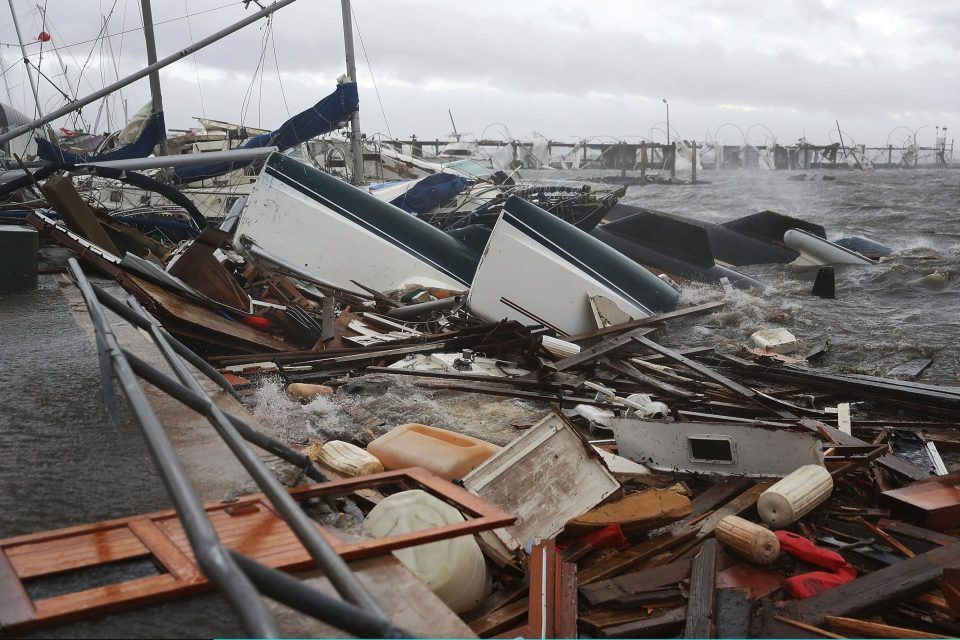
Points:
point(666, 491)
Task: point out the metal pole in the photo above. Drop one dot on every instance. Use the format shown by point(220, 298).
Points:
point(356, 147)
point(214, 560)
point(155, 96)
point(183, 53)
point(26, 61)
point(668, 119)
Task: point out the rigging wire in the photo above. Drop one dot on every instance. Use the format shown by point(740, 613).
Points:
point(370, 68)
point(196, 67)
point(131, 30)
point(276, 63)
point(248, 96)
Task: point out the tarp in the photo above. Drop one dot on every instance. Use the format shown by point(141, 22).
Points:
point(323, 117)
point(430, 192)
point(151, 134)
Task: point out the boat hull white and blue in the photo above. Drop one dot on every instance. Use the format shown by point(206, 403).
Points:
point(816, 251)
point(552, 268)
point(339, 233)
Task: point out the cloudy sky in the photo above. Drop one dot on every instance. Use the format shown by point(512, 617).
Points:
point(568, 70)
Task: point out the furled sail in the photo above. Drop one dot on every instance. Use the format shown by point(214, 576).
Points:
point(150, 135)
point(323, 117)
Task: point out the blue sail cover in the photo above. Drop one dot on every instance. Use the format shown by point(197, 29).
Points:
point(323, 117)
point(151, 134)
point(430, 192)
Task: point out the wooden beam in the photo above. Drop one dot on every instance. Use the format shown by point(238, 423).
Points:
point(646, 322)
point(703, 590)
point(867, 629)
point(597, 351)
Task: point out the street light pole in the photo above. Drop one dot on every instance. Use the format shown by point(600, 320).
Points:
point(668, 120)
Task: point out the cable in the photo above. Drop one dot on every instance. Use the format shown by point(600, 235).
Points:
point(111, 35)
point(370, 68)
point(196, 67)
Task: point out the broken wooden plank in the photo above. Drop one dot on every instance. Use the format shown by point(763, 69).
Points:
point(866, 629)
point(917, 533)
point(76, 213)
point(626, 560)
point(661, 625)
point(613, 589)
point(646, 322)
point(876, 591)
point(602, 349)
point(703, 590)
point(889, 462)
point(707, 372)
point(502, 619)
point(817, 631)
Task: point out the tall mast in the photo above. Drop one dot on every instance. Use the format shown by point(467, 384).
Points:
point(155, 96)
point(26, 60)
point(356, 147)
point(183, 53)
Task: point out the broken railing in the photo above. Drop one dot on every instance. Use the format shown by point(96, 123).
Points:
point(240, 579)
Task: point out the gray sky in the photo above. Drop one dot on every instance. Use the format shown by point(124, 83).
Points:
point(564, 69)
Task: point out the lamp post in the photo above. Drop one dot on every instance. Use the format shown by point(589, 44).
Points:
point(668, 120)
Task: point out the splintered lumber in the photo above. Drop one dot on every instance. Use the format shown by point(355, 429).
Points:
point(626, 560)
point(889, 462)
point(703, 581)
point(807, 627)
point(917, 533)
point(553, 593)
point(662, 625)
point(709, 373)
point(876, 591)
point(621, 587)
point(866, 629)
point(502, 619)
point(61, 193)
point(602, 349)
point(649, 320)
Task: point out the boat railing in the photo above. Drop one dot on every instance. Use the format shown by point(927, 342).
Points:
point(241, 580)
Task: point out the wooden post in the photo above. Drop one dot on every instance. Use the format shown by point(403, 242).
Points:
point(889, 154)
point(673, 160)
point(693, 163)
point(622, 160)
point(643, 162)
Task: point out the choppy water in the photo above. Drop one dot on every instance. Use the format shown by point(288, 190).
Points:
point(62, 462)
point(884, 314)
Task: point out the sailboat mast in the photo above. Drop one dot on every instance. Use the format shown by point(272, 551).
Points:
point(356, 147)
point(155, 96)
point(26, 60)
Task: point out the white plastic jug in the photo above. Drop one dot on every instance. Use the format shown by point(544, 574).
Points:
point(453, 569)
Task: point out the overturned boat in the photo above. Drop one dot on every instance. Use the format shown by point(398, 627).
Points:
point(670, 245)
point(752, 239)
point(340, 234)
point(554, 269)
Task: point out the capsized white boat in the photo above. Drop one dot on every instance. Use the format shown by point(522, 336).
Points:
point(551, 269)
point(816, 251)
point(339, 233)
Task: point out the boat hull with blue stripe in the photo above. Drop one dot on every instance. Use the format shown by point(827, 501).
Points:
point(551, 269)
point(340, 233)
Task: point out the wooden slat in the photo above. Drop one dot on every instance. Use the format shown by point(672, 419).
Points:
point(703, 590)
point(602, 349)
point(73, 553)
point(867, 629)
point(662, 625)
point(258, 533)
point(626, 560)
point(172, 557)
point(15, 606)
point(612, 589)
point(645, 322)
